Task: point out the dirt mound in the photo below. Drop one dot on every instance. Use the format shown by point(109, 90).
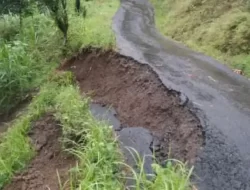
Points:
point(140, 99)
point(41, 173)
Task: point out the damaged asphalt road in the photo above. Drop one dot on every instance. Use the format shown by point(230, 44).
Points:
point(216, 95)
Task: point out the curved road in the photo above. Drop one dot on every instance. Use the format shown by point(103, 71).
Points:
point(219, 97)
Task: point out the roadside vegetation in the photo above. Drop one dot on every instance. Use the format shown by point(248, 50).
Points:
point(217, 28)
point(28, 54)
point(31, 47)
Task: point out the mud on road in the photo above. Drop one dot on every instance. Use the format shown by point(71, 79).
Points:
point(140, 99)
point(41, 173)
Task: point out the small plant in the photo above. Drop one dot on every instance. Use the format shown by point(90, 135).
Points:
point(174, 175)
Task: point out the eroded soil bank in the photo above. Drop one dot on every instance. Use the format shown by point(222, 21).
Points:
point(140, 99)
point(42, 171)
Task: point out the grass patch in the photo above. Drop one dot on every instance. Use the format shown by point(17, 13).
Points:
point(175, 175)
point(92, 142)
point(27, 56)
point(219, 29)
point(95, 28)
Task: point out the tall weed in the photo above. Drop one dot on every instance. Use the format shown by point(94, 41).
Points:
point(16, 73)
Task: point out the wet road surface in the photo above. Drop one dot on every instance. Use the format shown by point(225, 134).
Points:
point(216, 95)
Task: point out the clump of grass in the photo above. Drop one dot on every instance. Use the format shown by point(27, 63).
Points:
point(91, 141)
point(15, 150)
point(174, 175)
point(16, 73)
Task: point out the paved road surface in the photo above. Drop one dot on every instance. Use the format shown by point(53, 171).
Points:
point(219, 97)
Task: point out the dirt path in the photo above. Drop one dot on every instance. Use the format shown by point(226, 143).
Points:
point(140, 99)
point(41, 173)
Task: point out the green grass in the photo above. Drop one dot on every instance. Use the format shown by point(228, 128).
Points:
point(217, 28)
point(95, 28)
point(175, 175)
point(96, 147)
point(28, 56)
point(15, 73)
point(15, 148)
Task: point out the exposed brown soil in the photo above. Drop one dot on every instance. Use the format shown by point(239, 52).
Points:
point(140, 99)
point(41, 173)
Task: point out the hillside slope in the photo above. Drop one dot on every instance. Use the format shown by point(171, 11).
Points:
point(217, 28)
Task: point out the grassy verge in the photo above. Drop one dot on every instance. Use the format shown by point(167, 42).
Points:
point(26, 57)
point(218, 29)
